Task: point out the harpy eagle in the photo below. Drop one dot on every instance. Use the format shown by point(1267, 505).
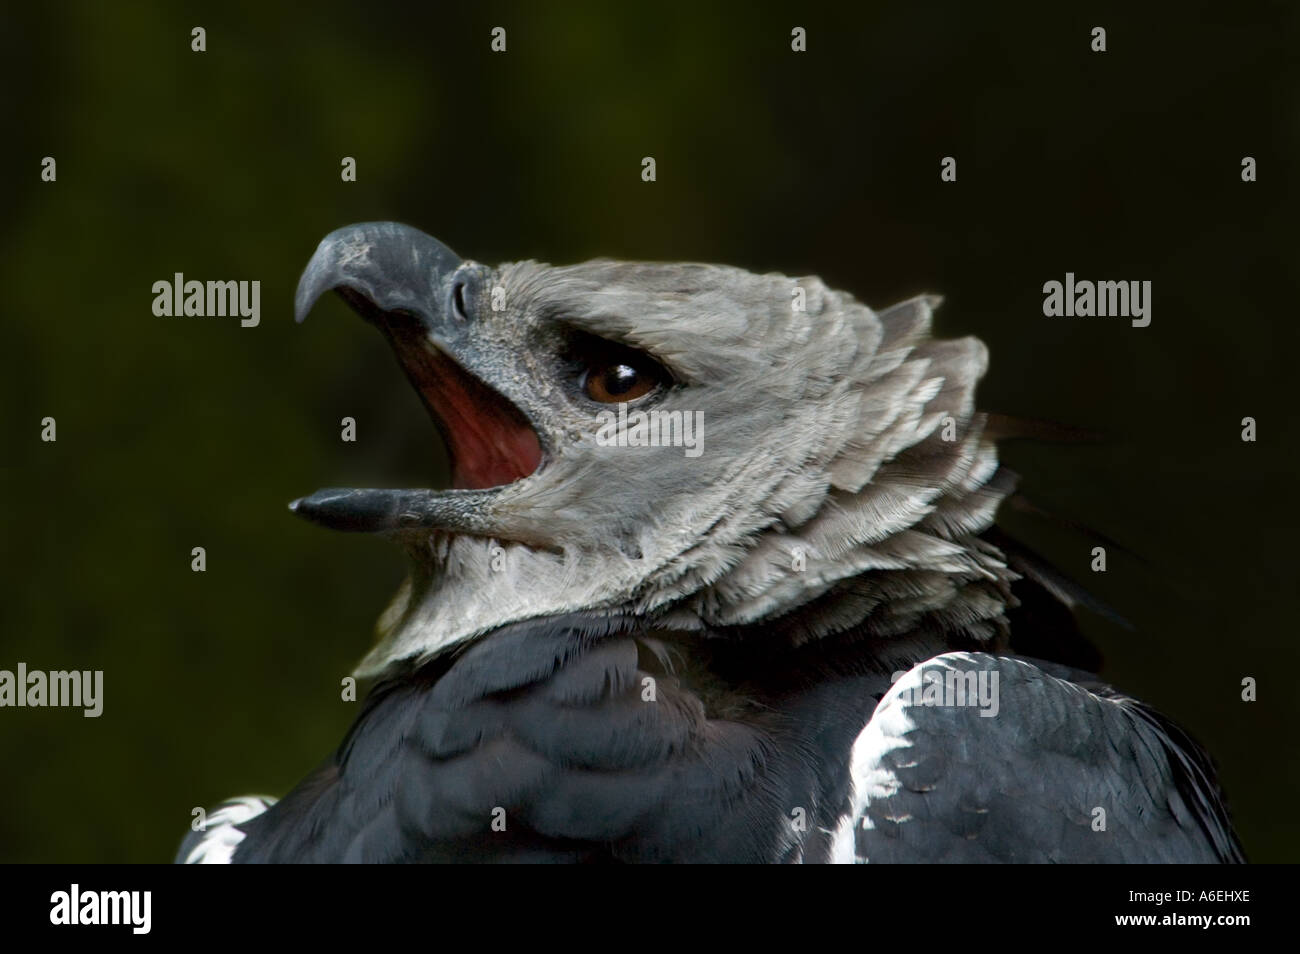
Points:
point(803, 641)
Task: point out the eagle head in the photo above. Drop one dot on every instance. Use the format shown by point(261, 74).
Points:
point(691, 441)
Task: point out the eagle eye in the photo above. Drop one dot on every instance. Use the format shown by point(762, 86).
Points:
point(618, 381)
point(610, 372)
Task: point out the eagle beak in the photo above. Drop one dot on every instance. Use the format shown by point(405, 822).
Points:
point(390, 266)
point(415, 290)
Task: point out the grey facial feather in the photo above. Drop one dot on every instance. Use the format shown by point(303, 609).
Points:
point(826, 455)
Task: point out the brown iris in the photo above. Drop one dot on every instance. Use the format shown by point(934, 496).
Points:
point(619, 381)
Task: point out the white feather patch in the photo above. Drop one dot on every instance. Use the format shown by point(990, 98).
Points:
point(222, 837)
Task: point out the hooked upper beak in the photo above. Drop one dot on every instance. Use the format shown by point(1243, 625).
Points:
point(420, 294)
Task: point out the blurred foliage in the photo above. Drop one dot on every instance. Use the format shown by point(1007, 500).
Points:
point(175, 433)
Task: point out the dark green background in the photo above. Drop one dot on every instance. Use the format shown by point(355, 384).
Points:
point(175, 433)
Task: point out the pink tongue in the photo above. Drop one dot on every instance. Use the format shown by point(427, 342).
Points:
point(490, 442)
point(488, 448)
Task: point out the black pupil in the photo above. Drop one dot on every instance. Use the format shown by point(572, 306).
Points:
point(620, 378)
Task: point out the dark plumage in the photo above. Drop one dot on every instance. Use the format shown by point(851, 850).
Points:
point(621, 653)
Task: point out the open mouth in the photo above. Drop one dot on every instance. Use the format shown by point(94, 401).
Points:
point(399, 279)
point(489, 441)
